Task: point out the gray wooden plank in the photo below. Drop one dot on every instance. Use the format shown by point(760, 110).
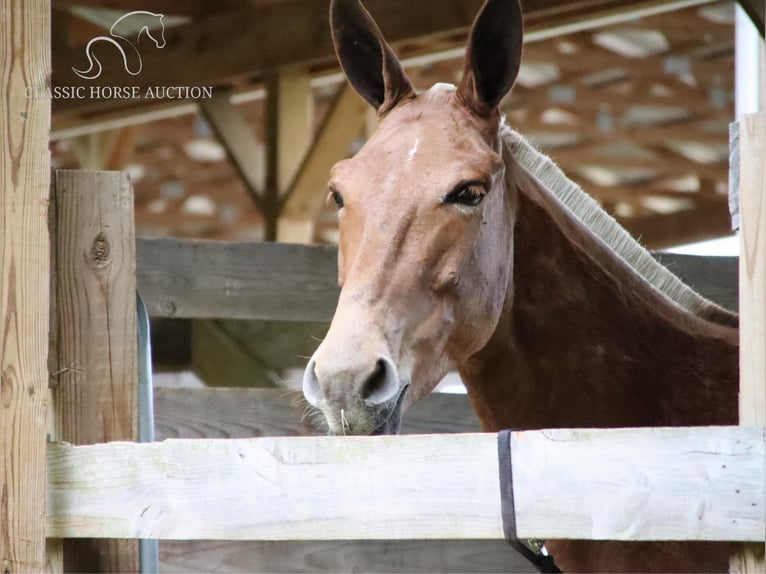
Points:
point(431, 556)
point(243, 413)
point(588, 484)
point(216, 279)
point(247, 413)
point(715, 278)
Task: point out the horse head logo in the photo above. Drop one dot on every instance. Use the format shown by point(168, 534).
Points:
point(124, 37)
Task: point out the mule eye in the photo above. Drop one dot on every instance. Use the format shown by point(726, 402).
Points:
point(470, 194)
point(336, 197)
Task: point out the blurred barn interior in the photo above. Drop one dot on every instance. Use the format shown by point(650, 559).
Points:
point(632, 98)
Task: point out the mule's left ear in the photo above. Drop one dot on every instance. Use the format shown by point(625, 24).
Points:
point(493, 56)
point(366, 58)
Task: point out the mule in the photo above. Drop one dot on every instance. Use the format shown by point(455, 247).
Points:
point(462, 247)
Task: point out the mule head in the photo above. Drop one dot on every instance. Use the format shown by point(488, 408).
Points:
point(425, 249)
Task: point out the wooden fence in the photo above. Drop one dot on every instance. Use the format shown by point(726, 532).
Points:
point(101, 497)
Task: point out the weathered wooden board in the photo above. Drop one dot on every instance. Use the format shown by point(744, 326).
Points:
point(752, 275)
point(25, 36)
point(93, 355)
point(389, 556)
point(690, 483)
point(701, 483)
point(211, 279)
point(215, 279)
point(247, 413)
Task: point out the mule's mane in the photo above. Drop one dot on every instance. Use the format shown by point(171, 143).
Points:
point(585, 209)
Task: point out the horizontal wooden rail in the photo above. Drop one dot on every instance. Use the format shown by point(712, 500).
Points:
point(699, 483)
point(198, 279)
point(249, 413)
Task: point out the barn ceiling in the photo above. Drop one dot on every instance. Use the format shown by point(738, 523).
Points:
point(637, 111)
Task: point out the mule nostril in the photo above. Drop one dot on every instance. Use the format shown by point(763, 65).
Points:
point(376, 381)
point(382, 385)
point(312, 390)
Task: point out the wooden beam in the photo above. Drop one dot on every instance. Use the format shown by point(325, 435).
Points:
point(94, 359)
point(249, 413)
point(752, 278)
point(25, 30)
point(107, 150)
point(221, 360)
point(191, 8)
point(707, 221)
point(217, 279)
point(752, 281)
point(371, 488)
point(243, 150)
point(384, 556)
point(279, 34)
point(307, 193)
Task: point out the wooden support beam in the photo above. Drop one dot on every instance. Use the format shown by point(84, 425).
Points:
point(371, 488)
point(93, 357)
point(307, 193)
point(222, 360)
point(25, 30)
point(278, 34)
point(707, 221)
point(243, 150)
point(295, 128)
point(108, 150)
point(752, 295)
point(752, 276)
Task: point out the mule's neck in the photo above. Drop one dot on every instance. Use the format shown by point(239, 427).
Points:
point(585, 341)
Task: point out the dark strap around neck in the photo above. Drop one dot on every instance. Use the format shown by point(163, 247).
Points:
point(543, 563)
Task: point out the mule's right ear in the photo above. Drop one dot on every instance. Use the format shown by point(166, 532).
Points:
point(367, 60)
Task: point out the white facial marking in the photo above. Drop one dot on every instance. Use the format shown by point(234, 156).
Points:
point(413, 151)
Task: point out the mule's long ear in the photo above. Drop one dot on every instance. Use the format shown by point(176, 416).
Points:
point(366, 58)
point(493, 56)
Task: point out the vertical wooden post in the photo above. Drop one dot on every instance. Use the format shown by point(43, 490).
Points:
point(342, 125)
point(94, 378)
point(752, 296)
point(24, 271)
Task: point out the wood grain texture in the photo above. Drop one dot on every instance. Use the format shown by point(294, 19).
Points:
point(752, 282)
point(669, 484)
point(249, 413)
point(391, 556)
point(245, 413)
point(24, 277)
point(217, 279)
point(226, 280)
point(691, 483)
point(752, 285)
point(94, 359)
point(242, 148)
